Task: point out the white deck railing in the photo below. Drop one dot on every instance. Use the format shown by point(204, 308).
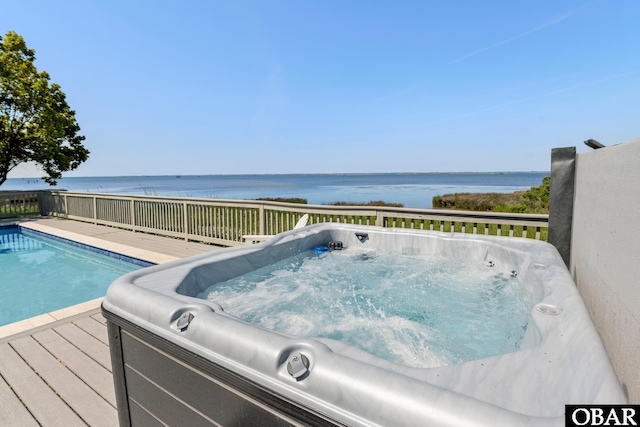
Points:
point(224, 222)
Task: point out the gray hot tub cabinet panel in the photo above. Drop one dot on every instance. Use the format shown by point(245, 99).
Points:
point(562, 358)
point(167, 386)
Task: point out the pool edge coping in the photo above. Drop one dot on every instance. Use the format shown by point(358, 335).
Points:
point(87, 306)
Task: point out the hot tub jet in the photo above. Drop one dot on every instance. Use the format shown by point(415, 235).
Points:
point(363, 237)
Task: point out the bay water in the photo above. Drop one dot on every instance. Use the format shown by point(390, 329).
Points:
point(413, 190)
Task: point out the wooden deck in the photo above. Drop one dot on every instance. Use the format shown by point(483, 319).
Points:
point(59, 374)
point(146, 243)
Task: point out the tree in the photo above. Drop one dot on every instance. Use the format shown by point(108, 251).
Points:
point(36, 124)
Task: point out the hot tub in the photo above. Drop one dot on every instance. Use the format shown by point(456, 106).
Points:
point(184, 360)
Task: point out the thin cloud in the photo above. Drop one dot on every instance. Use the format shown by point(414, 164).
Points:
point(417, 132)
point(566, 89)
point(547, 24)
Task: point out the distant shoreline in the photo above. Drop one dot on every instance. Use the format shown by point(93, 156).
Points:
point(288, 174)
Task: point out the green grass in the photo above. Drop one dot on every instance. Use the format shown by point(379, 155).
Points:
point(468, 227)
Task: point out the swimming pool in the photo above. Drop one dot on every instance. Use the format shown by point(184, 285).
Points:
point(40, 273)
point(199, 360)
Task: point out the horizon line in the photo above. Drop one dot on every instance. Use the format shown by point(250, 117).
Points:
point(292, 174)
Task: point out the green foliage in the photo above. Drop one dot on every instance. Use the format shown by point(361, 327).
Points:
point(36, 123)
point(534, 200)
point(371, 203)
point(477, 201)
point(304, 202)
point(513, 208)
point(537, 198)
point(298, 200)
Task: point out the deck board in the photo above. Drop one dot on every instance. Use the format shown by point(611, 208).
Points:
point(42, 401)
point(96, 376)
point(12, 410)
point(164, 245)
point(84, 401)
point(92, 347)
point(99, 318)
point(93, 328)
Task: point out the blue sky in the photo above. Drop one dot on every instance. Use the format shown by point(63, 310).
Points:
point(233, 87)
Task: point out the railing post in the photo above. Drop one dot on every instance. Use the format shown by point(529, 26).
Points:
point(380, 219)
point(185, 222)
point(95, 210)
point(262, 220)
point(66, 210)
point(133, 215)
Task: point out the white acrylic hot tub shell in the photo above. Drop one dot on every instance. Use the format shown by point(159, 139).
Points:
point(562, 360)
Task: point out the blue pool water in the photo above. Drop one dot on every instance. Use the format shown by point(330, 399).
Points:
point(39, 274)
point(413, 310)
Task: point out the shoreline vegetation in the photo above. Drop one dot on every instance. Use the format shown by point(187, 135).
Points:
point(534, 200)
point(303, 201)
